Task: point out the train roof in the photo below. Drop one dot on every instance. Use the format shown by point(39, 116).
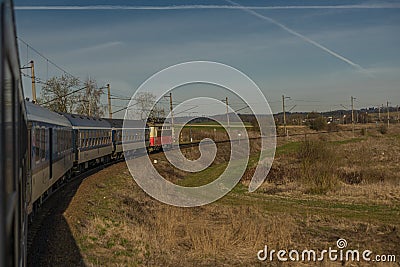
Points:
point(119, 123)
point(115, 123)
point(82, 121)
point(37, 113)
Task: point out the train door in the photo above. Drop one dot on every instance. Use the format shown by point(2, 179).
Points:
point(50, 153)
point(29, 167)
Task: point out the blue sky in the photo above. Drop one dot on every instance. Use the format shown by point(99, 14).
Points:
point(125, 47)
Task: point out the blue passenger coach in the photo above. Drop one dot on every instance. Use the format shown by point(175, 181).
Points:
point(50, 155)
point(91, 140)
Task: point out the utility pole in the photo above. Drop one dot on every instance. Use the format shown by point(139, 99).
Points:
point(388, 113)
point(352, 112)
point(190, 126)
point(379, 113)
point(172, 118)
point(227, 112)
point(398, 115)
point(33, 81)
point(109, 101)
point(284, 114)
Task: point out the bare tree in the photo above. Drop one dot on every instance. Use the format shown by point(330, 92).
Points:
point(89, 100)
point(157, 113)
point(56, 94)
point(144, 102)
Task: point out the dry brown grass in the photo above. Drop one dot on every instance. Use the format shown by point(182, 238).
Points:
point(116, 224)
point(147, 233)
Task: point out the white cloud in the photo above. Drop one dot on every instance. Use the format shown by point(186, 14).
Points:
point(97, 47)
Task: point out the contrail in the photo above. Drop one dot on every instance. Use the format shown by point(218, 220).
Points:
point(305, 38)
point(186, 7)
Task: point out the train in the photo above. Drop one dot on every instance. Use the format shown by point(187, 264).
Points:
point(13, 146)
point(40, 150)
point(61, 145)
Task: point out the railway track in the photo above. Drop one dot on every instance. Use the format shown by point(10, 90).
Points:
point(49, 206)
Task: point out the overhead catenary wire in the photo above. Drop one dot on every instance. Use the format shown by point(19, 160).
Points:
point(49, 61)
point(46, 58)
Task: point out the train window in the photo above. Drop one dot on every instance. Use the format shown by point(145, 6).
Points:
point(69, 144)
point(67, 139)
point(42, 144)
point(57, 134)
point(59, 140)
point(86, 138)
point(62, 146)
point(81, 138)
point(64, 135)
point(37, 144)
point(46, 144)
point(91, 138)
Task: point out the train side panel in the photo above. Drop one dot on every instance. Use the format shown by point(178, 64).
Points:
point(51, 154)
point(13, 146)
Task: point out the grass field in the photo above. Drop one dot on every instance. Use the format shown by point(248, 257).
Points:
point(328, 187)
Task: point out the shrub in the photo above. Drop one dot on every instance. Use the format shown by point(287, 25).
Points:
point(332, 127)
point(318, 166)
point(318, 124)
point(383, 129)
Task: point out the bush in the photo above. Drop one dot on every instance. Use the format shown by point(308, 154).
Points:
point(318, 167)
point(332, 127)
point(364, 131)
point(318, 124)
point(383, 129)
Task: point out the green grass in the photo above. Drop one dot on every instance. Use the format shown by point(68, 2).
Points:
point(204, 177)
point(302, 207)
point(213, 172)
point(348, 141)
point(293, 205)
point(288, 148)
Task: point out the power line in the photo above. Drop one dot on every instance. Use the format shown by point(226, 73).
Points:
point(46, 58)
point(68, 94)
point(59, 97)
